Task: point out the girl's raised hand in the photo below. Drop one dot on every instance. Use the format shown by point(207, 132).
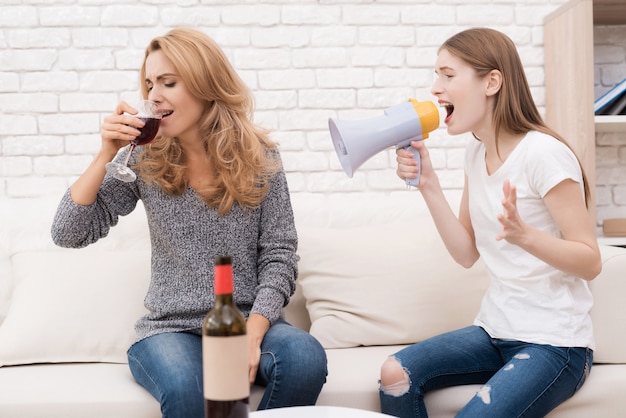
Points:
point(513, 228)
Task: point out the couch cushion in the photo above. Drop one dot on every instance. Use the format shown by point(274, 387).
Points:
point(609, 307)
point(74, 391)
point(74, 306)
point(353, 376)
point(24, 226)
point(384, 277)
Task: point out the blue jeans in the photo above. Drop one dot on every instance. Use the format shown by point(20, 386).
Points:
point(292, 368)
point(520, 379)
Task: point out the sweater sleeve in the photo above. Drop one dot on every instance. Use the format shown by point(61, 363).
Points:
point(77, 226)
point(277, 261)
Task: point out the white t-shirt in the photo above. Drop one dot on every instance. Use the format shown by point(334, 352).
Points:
point(527, 299)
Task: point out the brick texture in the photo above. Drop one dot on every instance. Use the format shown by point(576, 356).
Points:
point(65, 65)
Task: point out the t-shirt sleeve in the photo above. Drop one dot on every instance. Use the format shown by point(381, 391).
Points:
point(549, 163)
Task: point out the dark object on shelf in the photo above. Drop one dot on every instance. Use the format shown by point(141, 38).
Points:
point(613, 102)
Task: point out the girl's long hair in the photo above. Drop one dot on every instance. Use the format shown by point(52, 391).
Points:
point(514, 110)
point(240, 153)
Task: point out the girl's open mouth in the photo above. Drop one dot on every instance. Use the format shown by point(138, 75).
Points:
point(449, 110)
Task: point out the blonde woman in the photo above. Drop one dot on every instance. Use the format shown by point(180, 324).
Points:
point(211, 184)
point(523, 211)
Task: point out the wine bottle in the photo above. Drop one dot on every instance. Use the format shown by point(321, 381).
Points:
point(225, 351)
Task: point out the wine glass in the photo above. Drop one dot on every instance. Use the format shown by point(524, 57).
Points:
point(148, 113)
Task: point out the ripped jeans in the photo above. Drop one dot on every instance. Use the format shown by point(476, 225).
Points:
point(519, 379)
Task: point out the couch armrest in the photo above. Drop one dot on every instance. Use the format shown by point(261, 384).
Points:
point(609, 308)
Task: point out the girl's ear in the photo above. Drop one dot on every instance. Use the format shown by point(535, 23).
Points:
point(494, 82)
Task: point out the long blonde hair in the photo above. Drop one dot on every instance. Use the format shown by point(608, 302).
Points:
point(514, 110)
point(239, 151)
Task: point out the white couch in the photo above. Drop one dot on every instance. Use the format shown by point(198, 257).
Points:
point(373, 276)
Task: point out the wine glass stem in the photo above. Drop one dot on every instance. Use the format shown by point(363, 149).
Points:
point(130, 151)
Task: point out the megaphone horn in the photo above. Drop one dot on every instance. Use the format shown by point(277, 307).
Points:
point(357, 141)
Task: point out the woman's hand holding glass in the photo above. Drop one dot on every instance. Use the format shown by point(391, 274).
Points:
point(139, 126)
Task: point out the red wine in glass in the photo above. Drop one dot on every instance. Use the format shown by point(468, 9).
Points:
point(149, 130)
point(147, 112)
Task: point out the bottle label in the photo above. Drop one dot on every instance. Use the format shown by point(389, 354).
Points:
point(225, 367)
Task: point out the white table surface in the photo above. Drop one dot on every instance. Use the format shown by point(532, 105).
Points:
point(316, 412)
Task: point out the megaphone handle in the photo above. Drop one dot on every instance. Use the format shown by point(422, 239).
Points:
point(416, 154)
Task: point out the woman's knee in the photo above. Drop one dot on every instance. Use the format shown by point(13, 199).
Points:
point(309, 354)
point(288, 341)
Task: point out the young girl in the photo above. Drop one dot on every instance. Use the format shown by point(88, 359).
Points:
point(211, 184)
point(523, 210)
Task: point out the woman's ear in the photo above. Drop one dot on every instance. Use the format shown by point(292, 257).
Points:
point(494, 82)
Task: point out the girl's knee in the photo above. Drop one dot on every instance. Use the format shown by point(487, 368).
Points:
point(394, 379)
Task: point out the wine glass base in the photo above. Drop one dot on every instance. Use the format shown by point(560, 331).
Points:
point(121, 172)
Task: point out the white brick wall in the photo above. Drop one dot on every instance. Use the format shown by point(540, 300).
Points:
point(65, 64)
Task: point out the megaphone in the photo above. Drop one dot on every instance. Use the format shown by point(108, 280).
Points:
point(356, 141)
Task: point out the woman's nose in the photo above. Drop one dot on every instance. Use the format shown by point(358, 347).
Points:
point(154, 95)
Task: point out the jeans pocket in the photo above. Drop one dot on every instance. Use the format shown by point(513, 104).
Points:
point(587, 368)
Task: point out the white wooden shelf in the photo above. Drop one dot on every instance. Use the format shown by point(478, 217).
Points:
point(614, 241)
point(610, 123)
point(569, 78)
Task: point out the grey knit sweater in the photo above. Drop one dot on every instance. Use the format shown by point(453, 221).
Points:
point(186, 235)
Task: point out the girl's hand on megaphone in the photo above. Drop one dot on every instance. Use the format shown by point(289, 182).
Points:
point(408, 167)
